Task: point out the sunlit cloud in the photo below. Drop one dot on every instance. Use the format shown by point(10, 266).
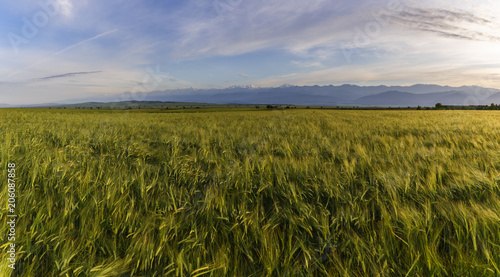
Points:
point(66, 7)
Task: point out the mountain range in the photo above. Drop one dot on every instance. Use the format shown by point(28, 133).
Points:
point(343, 95)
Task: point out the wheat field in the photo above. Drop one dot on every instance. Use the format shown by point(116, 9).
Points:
point(253, 192)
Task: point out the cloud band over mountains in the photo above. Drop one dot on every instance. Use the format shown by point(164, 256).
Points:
point(448, 23)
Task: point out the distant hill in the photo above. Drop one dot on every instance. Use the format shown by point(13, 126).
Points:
point(343, 95)
point(389, 98)
point(495, 98)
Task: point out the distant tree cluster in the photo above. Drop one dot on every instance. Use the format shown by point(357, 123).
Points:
point(440, 106)
point(279, 107)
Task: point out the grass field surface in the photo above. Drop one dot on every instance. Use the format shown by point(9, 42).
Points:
point(252, 193)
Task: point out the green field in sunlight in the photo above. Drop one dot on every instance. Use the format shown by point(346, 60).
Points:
point(252, 193)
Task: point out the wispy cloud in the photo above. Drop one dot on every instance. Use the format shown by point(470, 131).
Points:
point(66, 7)
point(307, 64)
point(259, 25)
point(448, 23)
point(62, 51)
point(70, 74)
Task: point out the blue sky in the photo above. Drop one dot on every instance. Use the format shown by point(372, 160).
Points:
point(64, 49)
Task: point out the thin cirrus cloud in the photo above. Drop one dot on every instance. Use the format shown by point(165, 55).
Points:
point(447, 23)
point(66, 7)
point(258, 25)
point(59, 52)
point(70, 74)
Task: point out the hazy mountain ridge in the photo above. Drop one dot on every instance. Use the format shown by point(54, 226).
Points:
point(343, 95)
point(399, 98)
